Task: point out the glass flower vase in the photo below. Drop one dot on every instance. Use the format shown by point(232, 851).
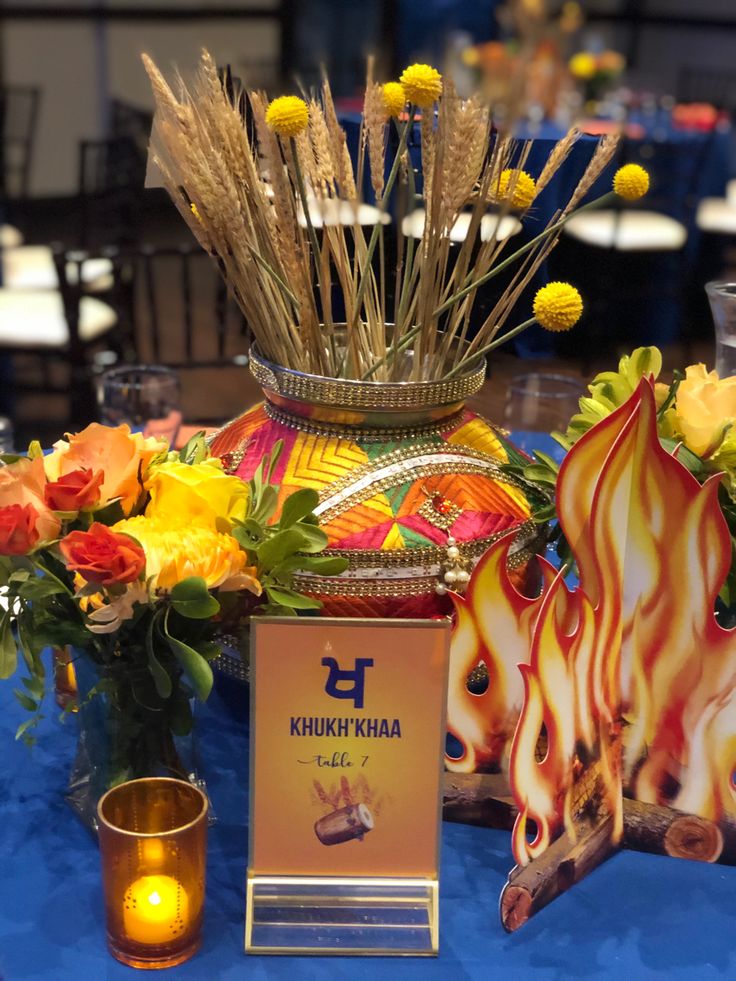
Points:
point(119, 740)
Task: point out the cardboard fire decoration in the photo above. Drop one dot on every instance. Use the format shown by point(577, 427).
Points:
point(624, 700)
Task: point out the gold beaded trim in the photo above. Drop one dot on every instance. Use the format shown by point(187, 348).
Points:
point(364, 394)
point(375, 434)
point(427, 555)
point(398, 588)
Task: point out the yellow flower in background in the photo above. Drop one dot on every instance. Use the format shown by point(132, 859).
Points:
point(631, 182)
point(705, 409)
point(525, 187)
point(422, 85)
point(288, 115)
point(201, 494)
point(176, 551)
point(558, 306)
point(583, 65)
point(394, 98)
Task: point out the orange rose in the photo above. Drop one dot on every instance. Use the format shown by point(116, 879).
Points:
point(18, 532)
point(24, 482)
point(122, 456)
point(103, 556)
point(74, 491)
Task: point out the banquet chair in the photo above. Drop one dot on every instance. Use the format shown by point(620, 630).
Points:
point(635, 255)
point(18, 119)
point(174, 310)
point(111, 177)
point(716, 86)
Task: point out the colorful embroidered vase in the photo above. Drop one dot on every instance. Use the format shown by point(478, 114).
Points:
point(410, 489)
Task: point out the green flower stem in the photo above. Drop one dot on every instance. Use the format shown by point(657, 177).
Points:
point(50, 575)
point(462, 293)
point(277, 279)
point(496, 342)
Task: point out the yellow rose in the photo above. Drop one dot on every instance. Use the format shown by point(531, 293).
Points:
point(199, 494)
point(175, 551)
point(122, 456)
point(706, 405)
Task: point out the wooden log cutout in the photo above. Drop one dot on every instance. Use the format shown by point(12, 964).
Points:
point(565, 862)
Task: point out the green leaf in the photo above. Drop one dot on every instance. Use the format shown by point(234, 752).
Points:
point(160, 675)
point(191, 598)
point(180, 714)
point(8, 649)
point(35, 686)
point(318, 565)
point(540, 474)
point(291, 599)
point(280, 546)
point(313, 538)
point(110, 514)
point(209, 649)
point(39, 588)
point(266, 506)
point(192, 664)
point(195, 450)
point(297, 506)
point(249, 534)
point(547, 460)
point(21, 731)
point(25, 700)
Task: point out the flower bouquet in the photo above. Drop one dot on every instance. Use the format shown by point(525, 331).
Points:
point(137, 559)
point(696, 414)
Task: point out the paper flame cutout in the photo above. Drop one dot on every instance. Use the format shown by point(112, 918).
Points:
point(629, 677)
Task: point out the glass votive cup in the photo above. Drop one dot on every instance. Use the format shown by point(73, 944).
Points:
point(541, 402)
point(146, 397)
point(153, 845)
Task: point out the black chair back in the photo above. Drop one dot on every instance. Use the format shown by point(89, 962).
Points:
point(111, 181)
point(18, 118)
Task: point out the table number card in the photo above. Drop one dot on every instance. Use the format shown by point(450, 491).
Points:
point(347, 743)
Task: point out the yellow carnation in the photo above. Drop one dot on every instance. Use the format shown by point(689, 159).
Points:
point(583, 65)
point(704, 409)
point(422, 85)
point(558, 306)
point(176, 551)
point(394, 98)
point(201, 494)
point(631, 182)
point(288, 115)
point(524, 185)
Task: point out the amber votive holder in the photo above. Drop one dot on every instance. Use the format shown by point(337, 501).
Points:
point(153, 844)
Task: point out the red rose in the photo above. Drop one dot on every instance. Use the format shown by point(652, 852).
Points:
point(18, 533)
point(103, 556)
point(74, 491)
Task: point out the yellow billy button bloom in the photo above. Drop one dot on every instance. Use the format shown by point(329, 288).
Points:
point(288, 115)
point(583, 65)
point(422, 85)
point(176, 551)
point(525, 188)
point(631, 182)
point(394, 98)
point(557, 306)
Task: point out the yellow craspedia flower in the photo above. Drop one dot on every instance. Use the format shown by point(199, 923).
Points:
point(583, 65)
point(288, 115)
point(176, 551)
point(631, 182)
point(394, 98)
point(200, 493)
point(558, 306)
point(422, 85)
point(525, 187)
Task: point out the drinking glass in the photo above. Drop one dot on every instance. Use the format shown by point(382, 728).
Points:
point(153, 846)
point(539, 403)
point(722, 299)
point(147, 397)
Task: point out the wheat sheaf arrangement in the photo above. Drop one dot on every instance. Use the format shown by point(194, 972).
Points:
point(279, 203)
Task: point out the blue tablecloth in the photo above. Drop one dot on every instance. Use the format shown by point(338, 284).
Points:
point(638, 916)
